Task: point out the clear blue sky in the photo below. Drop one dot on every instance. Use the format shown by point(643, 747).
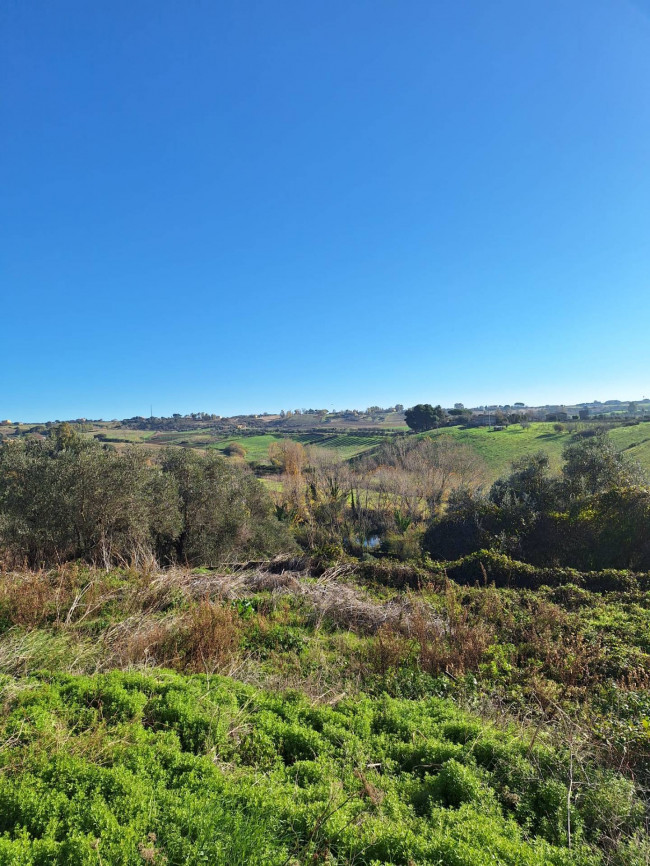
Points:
point(245, 206)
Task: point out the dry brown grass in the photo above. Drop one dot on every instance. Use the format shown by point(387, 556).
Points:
point(183, 619)
point(204, 639)
point(26, 600)
point(460, 647)
point(207, 639)
point(60, 597)
point(331, 598)
point(389, 650)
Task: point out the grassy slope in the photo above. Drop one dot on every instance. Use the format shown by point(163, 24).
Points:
point(256, 447)
point(343, 446)
point(135, 436)
point(634, 442)
point(498, 449)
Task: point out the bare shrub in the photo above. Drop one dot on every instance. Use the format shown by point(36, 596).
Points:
point(207, 638)
point(459, 647)
point(26, 600)
point(235, 449)
point(68, 594)
point(138, 642)
point(389, 649)
point(288, 456)
point(204, 639)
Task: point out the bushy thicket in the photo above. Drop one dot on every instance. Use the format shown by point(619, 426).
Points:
point(128, 768)
point(595, 516)
point(68, 497)
point(489, 566)
point(185, 770)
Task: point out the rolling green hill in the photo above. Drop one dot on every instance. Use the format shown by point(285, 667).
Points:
point(342, 445)
point(499, 448)
point(496, 448)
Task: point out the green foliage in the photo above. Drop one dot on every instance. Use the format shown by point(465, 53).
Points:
point(277, 638)
point(529, 484)
point(590, 519)
point(225, 510)
point(405, 545)
point(593, 465)
point(70, 498)
point(169, 769)
point(489, 566)
point(423, 417)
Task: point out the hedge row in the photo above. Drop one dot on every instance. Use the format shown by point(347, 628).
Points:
point(487, 566)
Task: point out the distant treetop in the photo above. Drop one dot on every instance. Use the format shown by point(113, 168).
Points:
point(424, 416)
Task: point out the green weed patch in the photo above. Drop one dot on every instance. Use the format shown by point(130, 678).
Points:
point(161, 768)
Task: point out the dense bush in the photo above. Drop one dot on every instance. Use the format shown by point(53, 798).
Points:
point(596, 516)
point(489, 566)
point(71, 498)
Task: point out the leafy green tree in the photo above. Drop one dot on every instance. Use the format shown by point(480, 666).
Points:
point(595, 515)
point(529, 484)
point(65, 437)
point(225, 510)
point(469, 523)
point(71, 498)
point(79, 501)
point(423, 417)
point(593, 465)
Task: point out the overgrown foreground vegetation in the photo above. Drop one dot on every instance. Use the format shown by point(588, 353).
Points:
point(302, 701)
point(129, 767)
point(440, 725)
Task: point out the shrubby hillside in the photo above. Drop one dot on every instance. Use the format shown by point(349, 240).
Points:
point(415, 671)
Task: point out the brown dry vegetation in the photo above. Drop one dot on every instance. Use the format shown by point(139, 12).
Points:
point(188, 620)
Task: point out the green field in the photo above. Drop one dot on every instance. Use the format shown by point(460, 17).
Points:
point(499, 448)
point(187, 438)
point(343, 445)
point(634, 442)
point(256, 447)
point(134, 436)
